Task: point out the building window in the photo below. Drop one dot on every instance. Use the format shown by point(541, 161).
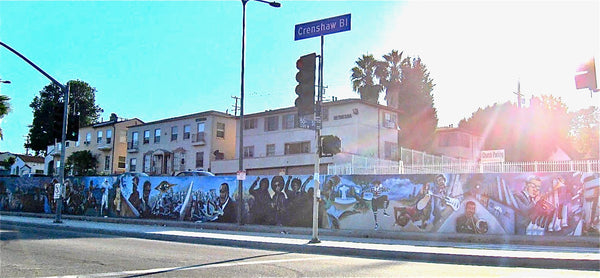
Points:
point(135, 141)
point(88, 138)
point(324, 113)
point(146, 136)
point(121, 162)
point(108, 136)
point(290, 121)
point(186, 132)
point(390, 151)
point(249, 151)
point(200, 160)
point(272, 123)
point(221, 130)
point(99, 137)
point(132, 164)
point(270, 149)
point(107, 163)
point(389, 120)
point(174, 133)
point(250, 123)
point(157, 135)
point(295, 148)
point(147, 163)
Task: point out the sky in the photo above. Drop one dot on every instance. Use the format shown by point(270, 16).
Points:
point(159, 59)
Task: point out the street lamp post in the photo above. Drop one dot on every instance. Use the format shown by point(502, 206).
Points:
point(241, 122)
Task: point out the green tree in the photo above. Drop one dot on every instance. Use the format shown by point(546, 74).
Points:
point(81, 163)
point(81, 102)
point(526, 134)
point(584, 131)
point(389, 73)
point(8, 162)
point(4, 109)
point(364, 79)
point(418, 116)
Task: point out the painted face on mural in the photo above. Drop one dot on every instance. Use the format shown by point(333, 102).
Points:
point(470, 209)
point(224, 191)
point(533, 187)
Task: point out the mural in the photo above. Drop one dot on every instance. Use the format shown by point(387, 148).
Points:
point(559, 204)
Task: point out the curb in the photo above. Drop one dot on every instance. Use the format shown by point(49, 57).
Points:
point(442, 239)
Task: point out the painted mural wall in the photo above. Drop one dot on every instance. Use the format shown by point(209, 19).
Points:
point(563, 204)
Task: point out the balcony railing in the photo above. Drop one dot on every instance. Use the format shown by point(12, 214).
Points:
point(133, 146)
point(198, 138)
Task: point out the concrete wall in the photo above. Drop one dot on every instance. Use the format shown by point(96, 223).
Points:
point(565, 205)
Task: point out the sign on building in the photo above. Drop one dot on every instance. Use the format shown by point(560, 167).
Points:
point(492, 156)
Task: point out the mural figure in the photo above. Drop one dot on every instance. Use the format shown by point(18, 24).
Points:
point(227, 205)
point(105, 187)
point(261, 210)
point(279, 200)
point(378, 200)
point(117, 200)
point(299, 209)
point(469, 222)
point(145, 202)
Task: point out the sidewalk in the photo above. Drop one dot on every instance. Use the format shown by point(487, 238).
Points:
point(340, 243)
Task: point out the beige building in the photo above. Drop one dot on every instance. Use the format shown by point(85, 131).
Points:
point(457, 143)
point(107, 141)
point(275, 144)
point(189, 142)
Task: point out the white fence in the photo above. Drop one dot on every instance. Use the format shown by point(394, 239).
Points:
point(361, 165)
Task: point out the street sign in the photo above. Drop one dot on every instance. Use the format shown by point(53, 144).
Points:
point(307, 123)
point(322, 27)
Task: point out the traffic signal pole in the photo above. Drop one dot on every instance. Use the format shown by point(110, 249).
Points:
point(317, 190)
point(65, 90)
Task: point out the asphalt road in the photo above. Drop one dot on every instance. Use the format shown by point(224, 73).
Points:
point(42, 252)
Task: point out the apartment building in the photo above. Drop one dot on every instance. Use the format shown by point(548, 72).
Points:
point(194, 141)
point(275, 144)
point(457, 143)
point(107, 141)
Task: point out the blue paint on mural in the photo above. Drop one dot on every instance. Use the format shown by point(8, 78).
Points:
point(560, 204)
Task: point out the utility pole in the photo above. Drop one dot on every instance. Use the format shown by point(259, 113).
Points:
point(519, 94)
point(235, 106)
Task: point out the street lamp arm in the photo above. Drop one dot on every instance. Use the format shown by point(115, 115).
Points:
point(63, 87)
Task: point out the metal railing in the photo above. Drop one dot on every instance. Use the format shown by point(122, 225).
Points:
point(364, 165)
point(198, 137)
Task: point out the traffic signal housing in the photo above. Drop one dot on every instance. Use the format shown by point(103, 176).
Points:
point(72, 124)
point(330, 145)
point(305, 102)
point(586, 76)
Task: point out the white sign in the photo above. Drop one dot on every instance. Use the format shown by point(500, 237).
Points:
point(492, 156)
point(241, 175)
point(58, 191)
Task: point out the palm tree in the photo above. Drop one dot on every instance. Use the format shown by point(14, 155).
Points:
point(364, 79)
point(4, 109)
point(390, 73)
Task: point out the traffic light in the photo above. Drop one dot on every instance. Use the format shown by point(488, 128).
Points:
point(586, 76)
point(57, 121)
point(72, 124)
point(73, 128)
point(306, 84)
point(330, 145)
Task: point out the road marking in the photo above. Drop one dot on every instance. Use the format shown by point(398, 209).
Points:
point(169, 269)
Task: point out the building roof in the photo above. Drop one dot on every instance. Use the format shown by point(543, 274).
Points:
point(31, 159)
point(200, 114)
point(326, 104)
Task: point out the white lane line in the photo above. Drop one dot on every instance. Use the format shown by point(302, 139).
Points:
point(155, 270)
